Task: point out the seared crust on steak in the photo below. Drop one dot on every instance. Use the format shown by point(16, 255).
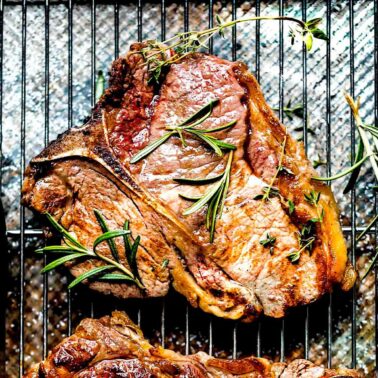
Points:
point(235, 277)
point(114, 346)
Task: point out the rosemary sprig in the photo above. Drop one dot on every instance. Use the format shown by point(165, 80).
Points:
point(368, 145)
point(189, 126)
point(160, 55)
point(215, 197)
point(73, 250)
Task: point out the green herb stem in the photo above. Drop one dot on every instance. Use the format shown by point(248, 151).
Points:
point(74, 250)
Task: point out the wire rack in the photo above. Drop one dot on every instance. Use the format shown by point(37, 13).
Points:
point(39, 311)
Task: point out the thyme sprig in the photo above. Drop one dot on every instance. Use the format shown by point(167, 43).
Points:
point(160, 55)
point(306, 237)
point(74, 250)
point(189, 126)
point(214, 198)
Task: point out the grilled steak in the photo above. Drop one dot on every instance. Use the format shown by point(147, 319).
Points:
point(115, 347)
point(236, 276)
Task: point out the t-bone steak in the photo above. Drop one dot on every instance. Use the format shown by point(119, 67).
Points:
point(236, 276)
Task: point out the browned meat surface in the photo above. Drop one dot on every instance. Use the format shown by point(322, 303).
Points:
point(236, 276)
point(113, 347)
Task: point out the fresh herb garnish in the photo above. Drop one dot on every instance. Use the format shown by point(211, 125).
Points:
point(306, 241)
point(215, 197)
point(306, 237)
point(368, 145)
point(313, 199)
point(165, 263)
point(73, 250)
point(268, 242)
point(291, 206)
point(189, 126)
point(160, 55)
point(367, 133)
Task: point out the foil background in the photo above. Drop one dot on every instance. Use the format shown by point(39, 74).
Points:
point(149, 313)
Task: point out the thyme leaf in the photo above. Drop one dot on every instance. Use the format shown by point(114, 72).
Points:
point(74, 250)
point(268, 242)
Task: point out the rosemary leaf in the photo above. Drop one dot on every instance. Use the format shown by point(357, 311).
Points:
point(62, 260)
point(150, 148)
point(132, 257)
point(204, 199)
point(343, 173)
point(64, 232)
point(101, 221)
point(189, 198)
point(220, 128)
point(57, 249)
point(209, 140)
point(200, 116)
point(201, 181)
point(116, 276)
point(214, 212)
point(108, 235)
point(356, 172)
point(89, 274)
point(367, 228)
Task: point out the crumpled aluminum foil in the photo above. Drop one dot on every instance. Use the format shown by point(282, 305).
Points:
point(86, 303)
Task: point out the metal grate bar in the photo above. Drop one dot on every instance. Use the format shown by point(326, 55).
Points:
point(163, 20)
point(281, 105)
point(353, 193)
point(376, 198)
point(22, 169)
point(116, 30)
point(257, 52)
point(163, 28)
point(70, 122)
point(234, 57)
point(305, 141)
point(3, 239)
point(187, 323)
point(47, 135)
point(329, 164)
point(211, 48)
